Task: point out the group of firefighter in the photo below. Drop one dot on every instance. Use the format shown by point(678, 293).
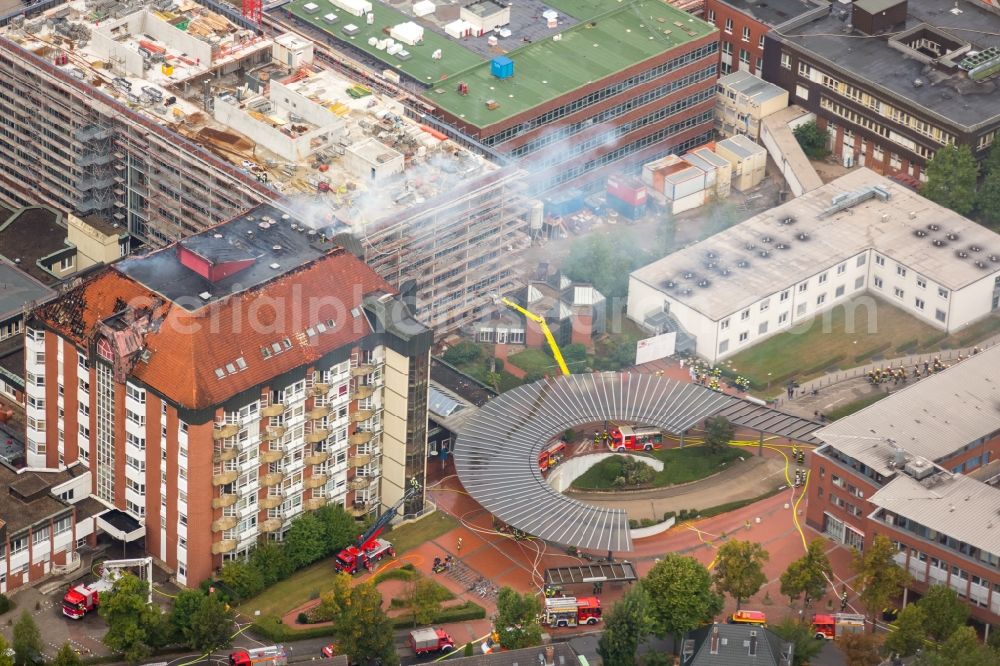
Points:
point(898, 375)
point(601, 438)
point(799, 458)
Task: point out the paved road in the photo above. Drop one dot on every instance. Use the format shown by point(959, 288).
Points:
point(751, 478)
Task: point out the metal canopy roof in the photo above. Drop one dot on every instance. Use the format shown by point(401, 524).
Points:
point(749, 415)
point(602, 572)
point(496, 454)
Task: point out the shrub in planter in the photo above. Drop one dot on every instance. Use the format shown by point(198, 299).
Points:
point(302, 618)
point(668, 515)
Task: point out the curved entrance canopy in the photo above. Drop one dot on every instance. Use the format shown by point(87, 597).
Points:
point(496, 453)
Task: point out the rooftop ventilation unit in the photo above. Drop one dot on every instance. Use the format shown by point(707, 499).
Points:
point(275, 266)
point(764, 254)
point(975, 248)
point(802, 236)
point(724, 272)
point(934, 227)
point(961, 254)
point(952, 236)
point(711, 265)
point(712, 255)
point(981, 264)
point(919, 469)
point(750, 246)
point(688, 275)
point(851, 199)
point(920, 233)
point(743, 263)
point(704, 283)
point(205, 295)
point(686, 292)
point(783, 246)
point(995, 258)
point(788, 220)
point(939, 243)
point(670, 284)
point(766, 239)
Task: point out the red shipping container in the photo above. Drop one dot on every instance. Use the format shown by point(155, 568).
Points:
point(628, 189)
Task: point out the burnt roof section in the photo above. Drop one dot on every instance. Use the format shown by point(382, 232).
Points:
point(273, 240)
point(30, 234)
point(25, 500)
point(460, 383)
point(18, 289)
point(950, 96)
point(773, 12)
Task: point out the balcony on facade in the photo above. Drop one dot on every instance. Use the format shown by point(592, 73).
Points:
point(225, 430)
point(360, 508)
point(318, 412)
point(224, 546)
point(362, 415)
point(225, 478)
point(272, 500)
point(273, 409)
point(362, 391)
point(224, 523)
point(224, 500)
point(362, 437)
point(316, 458)
point(359, 483)
point(225, 454)
point(359, 460)
point(314, 503)
point(271, 455)
point(272, 479)
point(271, 525)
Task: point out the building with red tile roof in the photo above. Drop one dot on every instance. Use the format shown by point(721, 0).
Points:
point(218, 387)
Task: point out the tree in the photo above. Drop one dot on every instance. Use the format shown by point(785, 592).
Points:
point(910, 632)
point(680, 596)
point(951, 178)
point(339, 527)
point(808, 574)
point(945, 613)
point(988, 199)
point(27, 641)
point(66, 656)
point(6, 654)
point(961, 649)
point(242, 578)
point(606, 259)
point(271, 560)
point(424, 598)
point(801, 636)
point(813, 140)
point(880, 578)
point(625, 628)
point(739, 569)
point(305, 541)
point(182, 613)
point(517, 619)
point(718, 433)
point(462, 352)
point(212, 625)
point(861, 649)
point(361, 628)
point(134, 627)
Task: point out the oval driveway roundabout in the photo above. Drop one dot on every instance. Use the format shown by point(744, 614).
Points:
point(496, 453)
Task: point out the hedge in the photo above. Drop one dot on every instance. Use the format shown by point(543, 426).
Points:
point(738, 504)
point(467, 611)
point(399, 573)
point(271, 628)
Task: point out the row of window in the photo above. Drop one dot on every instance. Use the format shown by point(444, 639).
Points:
point(604, 93)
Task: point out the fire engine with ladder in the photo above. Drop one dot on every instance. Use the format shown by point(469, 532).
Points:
point(837, 625)
point(369, 547)
point(271, 655)
point(571, 611)
point(83, 598)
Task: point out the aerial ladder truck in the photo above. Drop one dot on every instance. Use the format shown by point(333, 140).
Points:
point(369, 547)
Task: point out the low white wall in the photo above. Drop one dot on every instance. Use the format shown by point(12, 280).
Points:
point(570, 469)
point(652, 530)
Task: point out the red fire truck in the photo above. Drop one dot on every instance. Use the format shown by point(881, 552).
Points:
point(633, 438)
point(552, 455)
point(837, 625)
point(272, 655)
point(369, 548)
point(571, 611)
point(84, 598)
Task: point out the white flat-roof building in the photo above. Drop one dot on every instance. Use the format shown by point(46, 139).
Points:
point(861, 233)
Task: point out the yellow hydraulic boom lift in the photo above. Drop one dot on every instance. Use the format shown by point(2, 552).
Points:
point(545, 331)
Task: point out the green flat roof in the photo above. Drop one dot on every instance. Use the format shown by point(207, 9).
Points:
point(581, 10)
point(601, 46)
point(420, 65)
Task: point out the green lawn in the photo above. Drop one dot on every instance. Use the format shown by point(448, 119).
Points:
point(534, 361)
point(855, 406)
point(315, 579)
point(972, 334)
point(830, 341)
point(679, 466)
